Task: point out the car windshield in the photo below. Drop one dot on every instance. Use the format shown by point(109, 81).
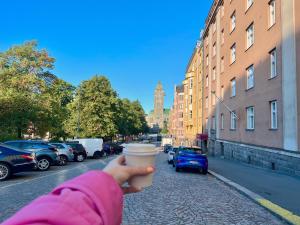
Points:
point(191, 150)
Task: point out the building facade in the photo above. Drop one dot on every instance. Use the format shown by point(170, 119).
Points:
point(159, 116)
point(176, 116)
point(250, 79)
point(193, 85)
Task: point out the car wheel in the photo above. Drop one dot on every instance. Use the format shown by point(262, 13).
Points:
point(63, 160)
point(43, 164)
point(177, 169)
point(204, 171)
point(79, 158)
point(5, 171)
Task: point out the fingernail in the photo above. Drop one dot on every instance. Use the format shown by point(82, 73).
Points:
point(150, 169)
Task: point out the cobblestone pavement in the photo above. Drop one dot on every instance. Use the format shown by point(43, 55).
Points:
point(191, 198)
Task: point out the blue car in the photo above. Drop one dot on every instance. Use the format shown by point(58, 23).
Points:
point(13, 160)
point(190, 157)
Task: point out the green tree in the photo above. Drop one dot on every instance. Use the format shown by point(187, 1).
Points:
point(24, 72)
point(93, 111)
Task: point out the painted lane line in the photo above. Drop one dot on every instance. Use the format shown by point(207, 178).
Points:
point(276, 210)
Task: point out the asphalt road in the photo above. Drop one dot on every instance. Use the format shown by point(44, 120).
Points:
point(280, 189)
point(175, 198)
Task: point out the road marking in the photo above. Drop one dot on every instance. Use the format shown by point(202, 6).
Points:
point(56, 173)
point(292, 218)
point(273, 208)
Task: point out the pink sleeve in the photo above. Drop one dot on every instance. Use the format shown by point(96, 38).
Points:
point(92, 198)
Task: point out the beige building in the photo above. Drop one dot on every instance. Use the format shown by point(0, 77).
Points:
point(176, 116)
point(193, 96)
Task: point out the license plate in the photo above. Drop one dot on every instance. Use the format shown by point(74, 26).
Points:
point(193, 162)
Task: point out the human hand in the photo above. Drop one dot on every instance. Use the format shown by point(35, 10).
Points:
point(121, 173)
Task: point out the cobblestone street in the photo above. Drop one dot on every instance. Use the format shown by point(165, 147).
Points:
point(191, 198)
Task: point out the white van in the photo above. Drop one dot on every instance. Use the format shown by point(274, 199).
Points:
point(93, 146)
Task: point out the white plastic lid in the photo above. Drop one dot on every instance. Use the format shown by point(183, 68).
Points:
point(140, 149)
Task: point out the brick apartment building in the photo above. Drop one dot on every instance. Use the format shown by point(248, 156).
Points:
point(251, 101)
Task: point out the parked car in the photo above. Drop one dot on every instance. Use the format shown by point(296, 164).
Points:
point(93, 146)
point(79, 151)
point(167, 147)
point(14, 160)
point(190, 157)
point(65, 153)
point(46, 155)
point(171, 154)
point(112, 148)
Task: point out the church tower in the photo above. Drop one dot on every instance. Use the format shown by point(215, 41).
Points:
point(159, 95)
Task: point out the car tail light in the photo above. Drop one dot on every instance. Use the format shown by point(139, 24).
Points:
point(28, 157)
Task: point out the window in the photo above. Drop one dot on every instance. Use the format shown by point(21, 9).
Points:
point(191, 99)
point(206, 82)
point(222, 37)
point(250, 118)
point(272, 13)
point(213, 98)
point(233, 120)
point(250, 35)
point(191, 114)
point(249, 3)
point(214, 49)
point(206, 123)
point(250, 77)
point(274, 120)
point(191, 83)
point(233, 87)
point(233, 53)
point(233, 21)
point(213, 120)
point(180, 106)
point(222, 64)
point(207, 60)
point(222, 92)
point(206, 102)
point(222, 121)
point(273, 60)
point(214, 73)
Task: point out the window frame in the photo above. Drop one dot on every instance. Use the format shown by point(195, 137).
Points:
point(272, 125)
point(247, 4)
point(253, 77)
point(274, 50)
point(233, 49)
point(233, 93)
point(272, 18)
point(233, 120)
point(251, 43)
point(249, 117)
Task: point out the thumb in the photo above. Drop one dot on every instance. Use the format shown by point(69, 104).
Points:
point(133, 171)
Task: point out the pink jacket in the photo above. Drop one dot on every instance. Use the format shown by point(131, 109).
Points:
point(93, 198)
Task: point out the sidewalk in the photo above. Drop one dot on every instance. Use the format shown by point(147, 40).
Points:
point(280, 189)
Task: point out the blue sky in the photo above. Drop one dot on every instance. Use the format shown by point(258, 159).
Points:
point(134, 43)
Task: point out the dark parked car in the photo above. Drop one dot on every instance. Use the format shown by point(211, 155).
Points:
point(167, 147)
point(190, 157)
point(112, 148)
point(78, 151)
point(13, 160)
point(46, 155)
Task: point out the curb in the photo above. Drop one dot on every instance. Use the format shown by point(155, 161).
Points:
point(276, 210)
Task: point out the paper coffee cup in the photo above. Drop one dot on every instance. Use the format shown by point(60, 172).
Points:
point(140, 155)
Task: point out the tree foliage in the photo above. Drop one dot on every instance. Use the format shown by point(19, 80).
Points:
point(33, 101)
